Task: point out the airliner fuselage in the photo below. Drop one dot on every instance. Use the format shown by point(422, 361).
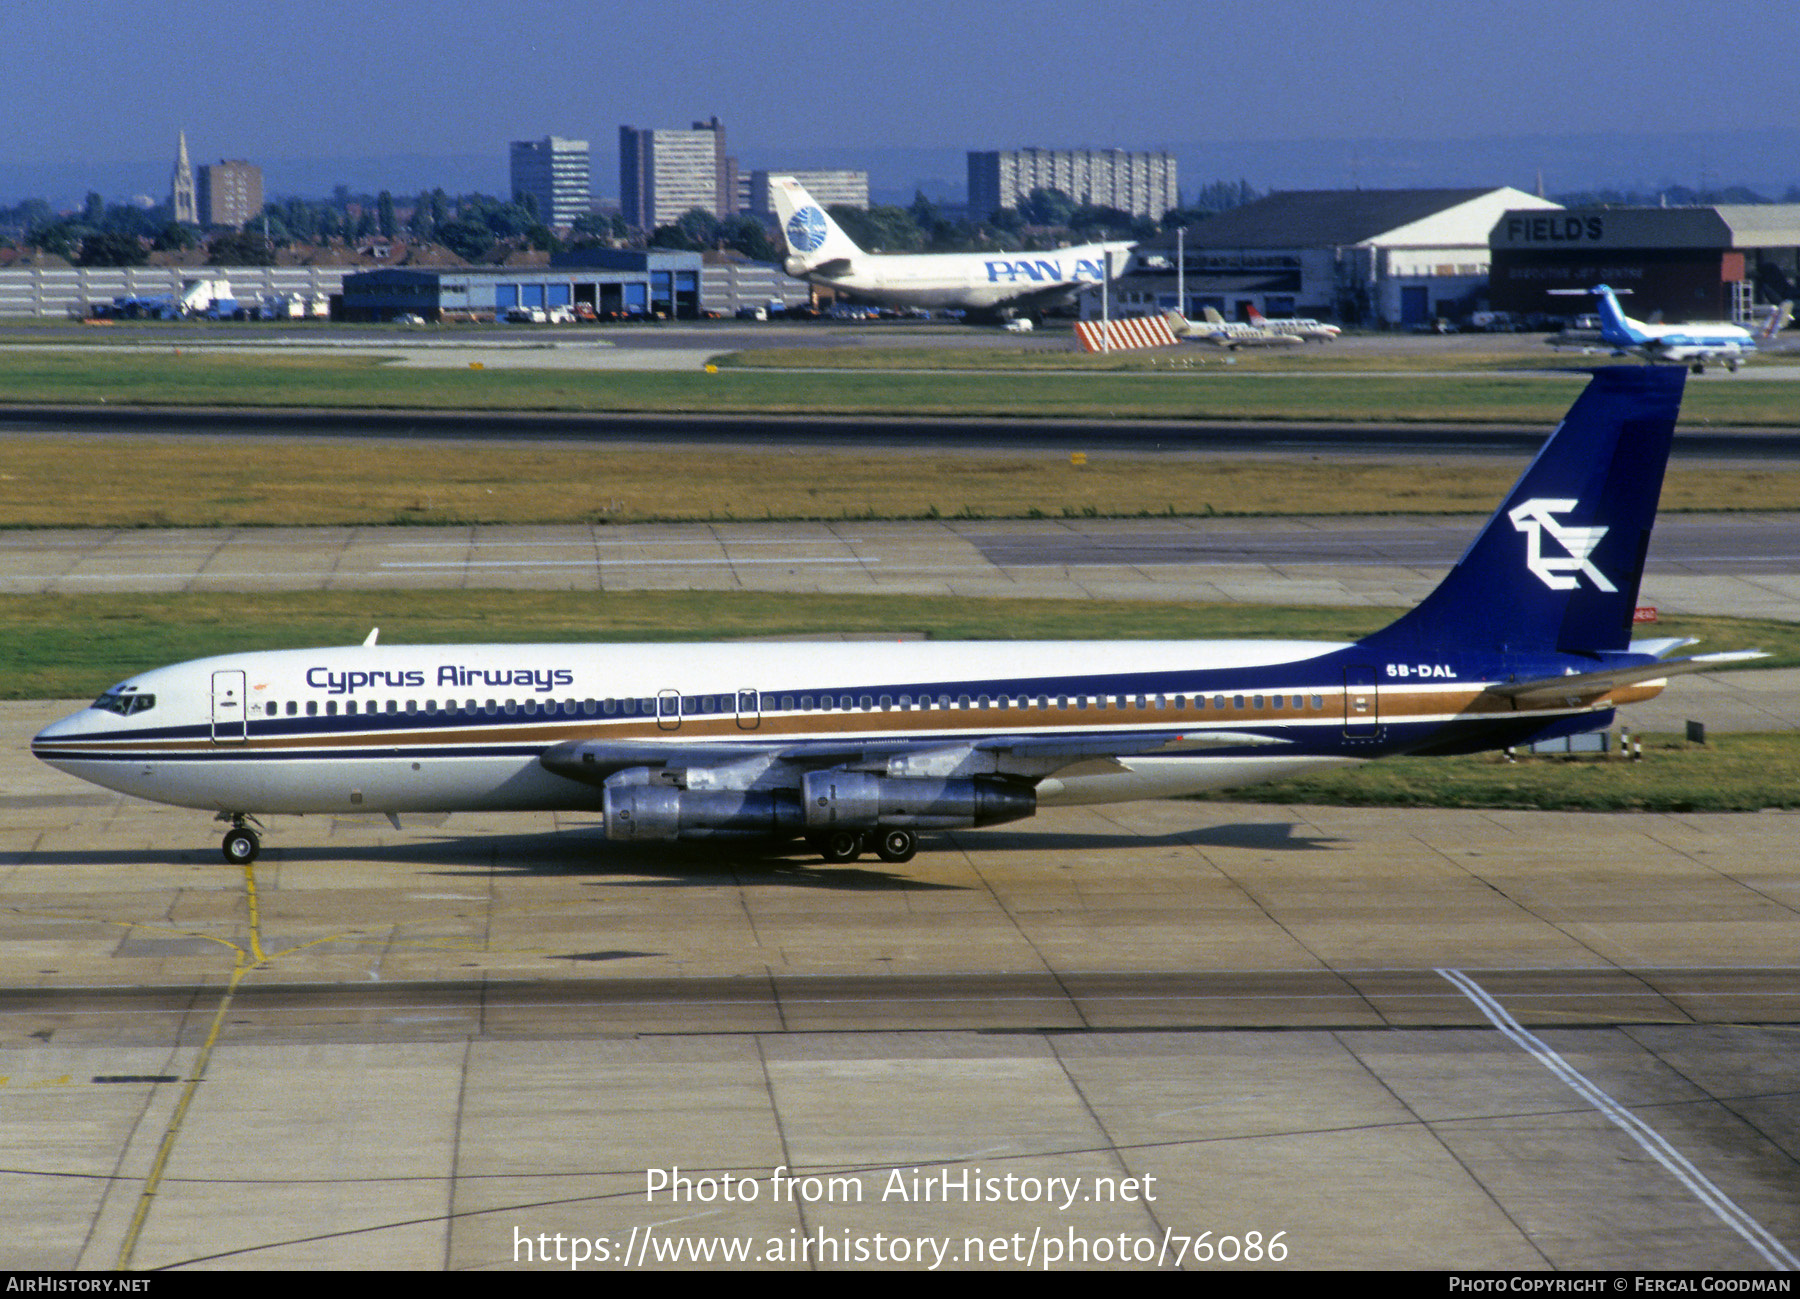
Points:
point(858, 745)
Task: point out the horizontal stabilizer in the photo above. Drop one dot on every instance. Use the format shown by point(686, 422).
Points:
point(1546, 690)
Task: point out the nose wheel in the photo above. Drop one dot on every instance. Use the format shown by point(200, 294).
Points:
point(241, 844)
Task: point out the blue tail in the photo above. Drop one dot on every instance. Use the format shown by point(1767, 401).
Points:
point(1556, 570)
point(1615, 326)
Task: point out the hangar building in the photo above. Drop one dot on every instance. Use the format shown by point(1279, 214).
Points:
point(1690, 263)
point(1365, 256)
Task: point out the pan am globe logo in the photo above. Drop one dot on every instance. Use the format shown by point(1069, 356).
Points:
point(806, 229)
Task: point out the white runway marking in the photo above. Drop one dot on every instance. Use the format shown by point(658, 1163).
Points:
point(1729, 1212)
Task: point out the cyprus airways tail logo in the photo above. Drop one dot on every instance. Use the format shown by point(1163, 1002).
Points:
point(1558, 572)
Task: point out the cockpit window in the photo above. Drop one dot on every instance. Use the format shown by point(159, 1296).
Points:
point(124, 702)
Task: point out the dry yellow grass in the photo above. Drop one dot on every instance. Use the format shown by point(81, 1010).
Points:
point(176, 482)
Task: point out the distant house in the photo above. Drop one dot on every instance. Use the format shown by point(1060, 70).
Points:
point(1362, 256)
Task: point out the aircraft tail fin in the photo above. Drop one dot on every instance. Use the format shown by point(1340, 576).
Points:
point(813, 238)
point(1254, 316)
point(1213, 317)
point(1615, 326)
point(1777, 321)
point(1557, 567)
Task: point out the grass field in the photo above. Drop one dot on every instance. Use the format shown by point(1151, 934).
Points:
point(175, 482)
point(183, 374)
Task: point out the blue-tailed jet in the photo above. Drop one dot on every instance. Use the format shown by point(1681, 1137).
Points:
point(1693, 345)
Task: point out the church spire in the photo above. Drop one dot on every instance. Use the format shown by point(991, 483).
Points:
point(182, 206)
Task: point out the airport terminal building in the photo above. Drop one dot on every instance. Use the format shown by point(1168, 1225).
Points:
point(1689, 263)
point(1397, 257)
point(598, 283)
point(610, 283)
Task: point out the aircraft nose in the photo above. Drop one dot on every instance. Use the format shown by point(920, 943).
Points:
point(45, 742)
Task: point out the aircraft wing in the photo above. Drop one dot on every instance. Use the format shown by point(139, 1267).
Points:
point(1577, 685)
point(1052, 295)
point(1026, 757)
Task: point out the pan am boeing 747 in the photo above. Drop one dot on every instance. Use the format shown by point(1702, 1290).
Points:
point(992, 284)
point(859, 747)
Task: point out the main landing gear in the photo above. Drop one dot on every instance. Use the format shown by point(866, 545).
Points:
point(843, 846)
point(241, 844)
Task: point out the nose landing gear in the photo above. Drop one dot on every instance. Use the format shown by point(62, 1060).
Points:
point(241, 844)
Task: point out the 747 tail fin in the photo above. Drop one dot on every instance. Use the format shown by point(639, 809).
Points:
point(814, 240)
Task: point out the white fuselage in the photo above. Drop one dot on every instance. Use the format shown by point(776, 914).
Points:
point(977, 281)
point(1313, 331)
point(1231, 334)
point(449, 728)
point(461, 727)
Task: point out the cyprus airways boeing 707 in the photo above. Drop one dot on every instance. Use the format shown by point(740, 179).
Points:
point(857, 747)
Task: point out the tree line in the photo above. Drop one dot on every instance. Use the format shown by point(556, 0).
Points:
point(476, 227)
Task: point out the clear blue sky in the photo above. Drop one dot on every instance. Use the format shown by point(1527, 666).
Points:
point(103, 80)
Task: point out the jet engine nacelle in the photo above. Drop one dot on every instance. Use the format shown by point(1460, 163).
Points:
point(859, 800)
point(665, 812)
